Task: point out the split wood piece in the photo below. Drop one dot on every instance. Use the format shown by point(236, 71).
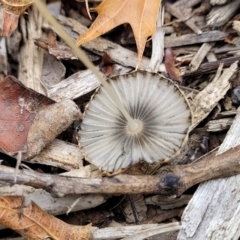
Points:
point(31, 57)
point(219, 124)
point(210, 66)
point(213, 212)
point(129, 232)
point(60, 154)
point(179, 13)
point(211, 57)
point(227, 47)
point(163, 228)
point(188, 39)
point(171, 180)
point(200, 55)
point(53, 71)
point(157, 44)
point(207, 99)
point(79, 84)
point(99, 45)
point(220, 15)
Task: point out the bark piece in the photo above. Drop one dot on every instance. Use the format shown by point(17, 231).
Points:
point(200, 55)
point(213, 212)
point(60, 154)
point(219, 125)
point(207, 99)
point(181, 15)
point(188, 39)
point(220, 15)
point(53, 71)
point(157, 44)
point(79, 83)
point(30, 65)
point(49, 123)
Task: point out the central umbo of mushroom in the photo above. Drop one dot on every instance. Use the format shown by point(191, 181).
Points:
point(160, 110)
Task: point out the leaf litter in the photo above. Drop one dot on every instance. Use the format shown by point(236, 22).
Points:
point(189, 59)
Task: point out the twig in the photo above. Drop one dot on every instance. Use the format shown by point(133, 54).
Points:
point(171, 180)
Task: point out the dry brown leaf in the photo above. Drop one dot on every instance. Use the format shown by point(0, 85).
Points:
point(19, 107)
point(107, 64)
point(30, 121)
point(33, 223)
point(169, 61)
point(141, 15)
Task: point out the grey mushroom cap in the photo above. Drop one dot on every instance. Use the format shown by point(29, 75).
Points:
point(158, 106)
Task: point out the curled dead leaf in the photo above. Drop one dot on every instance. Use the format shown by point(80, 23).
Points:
point(29, 121)
point(169, 61)
point(141, 15)
point(33, 223)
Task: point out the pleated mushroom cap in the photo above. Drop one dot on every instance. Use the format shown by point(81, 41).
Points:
point(158, 106)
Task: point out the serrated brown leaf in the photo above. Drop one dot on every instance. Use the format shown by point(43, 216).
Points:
point(141, 15)
point(33, 223)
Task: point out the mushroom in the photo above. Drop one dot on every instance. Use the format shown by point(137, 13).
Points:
point(161, 113)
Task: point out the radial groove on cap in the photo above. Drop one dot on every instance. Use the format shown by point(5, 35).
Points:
point(148, 97)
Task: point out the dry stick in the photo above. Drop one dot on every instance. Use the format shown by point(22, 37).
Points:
point(171, 180)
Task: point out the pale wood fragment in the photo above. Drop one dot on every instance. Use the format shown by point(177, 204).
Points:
point(200, 55)
point(53, 71)
point(181, 14)
point(226, 48)
point(189, 39)
point(219, 124)
point(211, 57)
point(236, 26)
point(78, 84)
point(132, 232)
point(207, 99)
point(220, 15)
point(213, 212)
point(31, 57)
point(60, 154)
point(157, 44)
point(74, 86)
point(54, 206)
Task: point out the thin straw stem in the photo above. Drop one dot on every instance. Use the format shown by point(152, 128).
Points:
point(83, 57)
